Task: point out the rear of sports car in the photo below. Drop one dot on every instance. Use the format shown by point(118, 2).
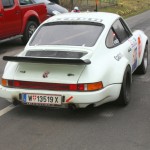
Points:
point(54, 84)
point(58, 70)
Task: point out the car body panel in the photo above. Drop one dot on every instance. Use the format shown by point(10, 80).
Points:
point(11, 21)
point(55, 72)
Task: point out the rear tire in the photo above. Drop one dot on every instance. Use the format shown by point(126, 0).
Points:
point(29, 30)
point(142, 69)
point(124, 97)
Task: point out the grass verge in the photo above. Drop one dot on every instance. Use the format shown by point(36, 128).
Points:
point(124, 8)
point(127, 8)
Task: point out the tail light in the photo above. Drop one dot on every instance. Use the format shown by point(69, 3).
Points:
point(4, 82)
point(52, 86)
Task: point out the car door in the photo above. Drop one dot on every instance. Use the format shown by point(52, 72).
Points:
point(11, 18)
point(123, 40)
point(1, 22)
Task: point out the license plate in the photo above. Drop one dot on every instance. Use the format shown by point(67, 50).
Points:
point(42, 99)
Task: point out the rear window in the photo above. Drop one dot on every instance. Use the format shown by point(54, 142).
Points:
point(68, 34)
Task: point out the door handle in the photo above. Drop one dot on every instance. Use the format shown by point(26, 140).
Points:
point(17, 12)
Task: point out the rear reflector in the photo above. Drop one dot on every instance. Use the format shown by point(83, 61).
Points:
point(52, 86)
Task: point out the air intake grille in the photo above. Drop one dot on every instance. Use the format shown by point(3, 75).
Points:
point(56, 54)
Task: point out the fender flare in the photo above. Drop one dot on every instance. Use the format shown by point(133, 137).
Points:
point(29, 15)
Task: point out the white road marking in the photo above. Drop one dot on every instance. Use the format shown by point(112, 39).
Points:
point(7, 109)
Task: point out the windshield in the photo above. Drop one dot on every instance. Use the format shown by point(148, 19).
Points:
point(43, 1)
point(67, 34)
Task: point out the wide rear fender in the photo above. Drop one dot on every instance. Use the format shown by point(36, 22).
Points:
point(10, 70)
point(29, 15)
point(109, 71)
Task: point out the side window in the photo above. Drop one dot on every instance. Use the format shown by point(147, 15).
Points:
point(25, 2)
point(112, 39)
point(121, 30)
point(8, 3)
point(118, 33)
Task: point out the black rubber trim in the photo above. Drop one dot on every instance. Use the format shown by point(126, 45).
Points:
point(47, 60)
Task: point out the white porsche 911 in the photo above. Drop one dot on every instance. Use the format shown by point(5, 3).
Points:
point(76, 60)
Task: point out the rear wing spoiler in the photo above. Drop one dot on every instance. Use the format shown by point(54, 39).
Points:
point(46, 60)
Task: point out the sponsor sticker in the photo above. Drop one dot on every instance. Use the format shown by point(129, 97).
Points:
point(118, 56)
point(134, 64)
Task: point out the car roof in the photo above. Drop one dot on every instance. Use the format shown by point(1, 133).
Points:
point(98, 17)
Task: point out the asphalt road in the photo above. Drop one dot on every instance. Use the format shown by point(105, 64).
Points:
point(107, 127)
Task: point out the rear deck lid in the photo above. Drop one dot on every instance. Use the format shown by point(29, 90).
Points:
point(51, 73)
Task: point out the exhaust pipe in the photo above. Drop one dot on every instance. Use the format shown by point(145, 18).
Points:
point(16, 102)
point(72, 107)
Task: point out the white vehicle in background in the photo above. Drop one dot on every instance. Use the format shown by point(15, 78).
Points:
point(52, 8)
point(76, 60)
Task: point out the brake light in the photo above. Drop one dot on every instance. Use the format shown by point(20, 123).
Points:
point(81, 87)
point(52, 86)
point(73, 87)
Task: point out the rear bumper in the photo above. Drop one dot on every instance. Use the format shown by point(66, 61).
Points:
point(80, 99)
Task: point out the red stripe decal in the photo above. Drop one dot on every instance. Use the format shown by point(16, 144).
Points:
point(69, 99)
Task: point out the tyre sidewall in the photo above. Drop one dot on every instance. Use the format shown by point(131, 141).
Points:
point(142, 69)
point(26, 36)
point(143, 65)
point(125, 92)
